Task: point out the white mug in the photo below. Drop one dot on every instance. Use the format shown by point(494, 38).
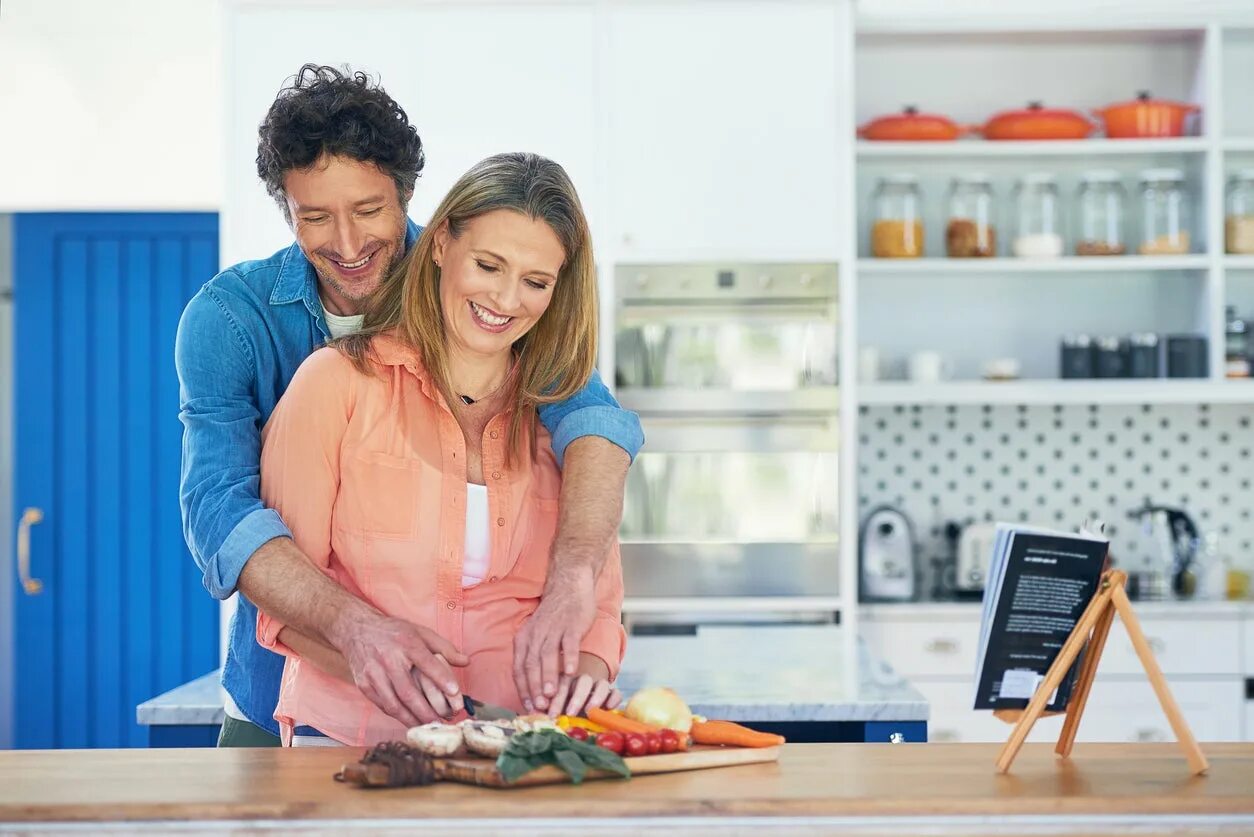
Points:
point(928, 367)
point(868, 364)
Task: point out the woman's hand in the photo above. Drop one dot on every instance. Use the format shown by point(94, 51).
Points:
point(575, 695)
point(589, 687)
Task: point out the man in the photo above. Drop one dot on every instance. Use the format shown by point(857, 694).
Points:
point(341, 159)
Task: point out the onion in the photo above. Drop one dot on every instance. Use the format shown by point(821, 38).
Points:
point(660, 707)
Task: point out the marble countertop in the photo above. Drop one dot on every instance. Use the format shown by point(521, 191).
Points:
point(760, 673)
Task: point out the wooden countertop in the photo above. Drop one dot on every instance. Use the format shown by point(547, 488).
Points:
point(813, 782)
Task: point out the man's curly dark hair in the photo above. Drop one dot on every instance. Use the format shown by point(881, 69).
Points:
point(339, 112)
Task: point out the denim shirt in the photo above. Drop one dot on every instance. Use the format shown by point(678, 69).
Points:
point(240, 341)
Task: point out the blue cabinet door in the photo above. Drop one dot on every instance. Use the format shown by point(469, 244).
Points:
point(122, 615)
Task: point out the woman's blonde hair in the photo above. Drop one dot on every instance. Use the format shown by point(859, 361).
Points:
point(556, 357)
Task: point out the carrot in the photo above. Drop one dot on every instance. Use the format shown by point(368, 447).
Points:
point(619, 723)
point(730, 734)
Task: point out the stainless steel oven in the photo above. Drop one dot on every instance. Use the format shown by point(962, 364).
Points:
point(733, 370)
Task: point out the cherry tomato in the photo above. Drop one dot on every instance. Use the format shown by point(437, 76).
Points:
point(670, 740)
point(654, 742)
point(635, 745)
point(612, 741)
point(578, 733)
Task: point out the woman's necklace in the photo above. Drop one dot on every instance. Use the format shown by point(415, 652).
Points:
point(467, 400)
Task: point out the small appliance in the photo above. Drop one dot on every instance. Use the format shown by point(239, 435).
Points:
point(886, 557)
point(975, 547)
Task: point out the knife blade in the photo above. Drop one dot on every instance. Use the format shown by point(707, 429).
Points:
point(481, 711)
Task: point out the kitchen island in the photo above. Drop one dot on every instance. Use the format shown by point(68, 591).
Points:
point(795, 680)
point(814, 789)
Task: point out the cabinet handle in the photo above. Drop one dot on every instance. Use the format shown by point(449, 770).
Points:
point(1149, 734)
point(942, 646)
point(941, 735)
point(30, 517)
point(1156, 645)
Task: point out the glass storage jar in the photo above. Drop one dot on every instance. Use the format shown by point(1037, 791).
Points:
point(1038, 217)
point(1239, 217)
point(897, 218)
point(1099, 205)
point(1165, 211)
point(970, 232)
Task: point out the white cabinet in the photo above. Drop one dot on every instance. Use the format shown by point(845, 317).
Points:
point(926, 649)
point(725, 125)
point(1117, 710)
point(1199, 649)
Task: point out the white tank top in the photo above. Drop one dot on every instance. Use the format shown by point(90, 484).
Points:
point(478, 541)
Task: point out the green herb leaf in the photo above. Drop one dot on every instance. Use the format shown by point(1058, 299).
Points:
point(569, 761)
point(513, 767)
point(602, 759)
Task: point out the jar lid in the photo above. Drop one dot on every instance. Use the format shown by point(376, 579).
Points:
point(1039, 177)
point(1150, 175)
point(1100, 176)
point(1077, 341)
point(1108, 343)
point(1147, 338)
point(901, 178)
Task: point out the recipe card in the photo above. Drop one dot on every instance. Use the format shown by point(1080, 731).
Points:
point(1039, 583)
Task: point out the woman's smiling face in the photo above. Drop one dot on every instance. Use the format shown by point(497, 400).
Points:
point(496, 279)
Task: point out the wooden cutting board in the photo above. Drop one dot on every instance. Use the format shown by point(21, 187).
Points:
point(480, 771)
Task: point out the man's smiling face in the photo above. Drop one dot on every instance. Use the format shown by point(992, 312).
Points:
point(349, 223)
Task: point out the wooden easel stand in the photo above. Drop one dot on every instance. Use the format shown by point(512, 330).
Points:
point(1094, 627)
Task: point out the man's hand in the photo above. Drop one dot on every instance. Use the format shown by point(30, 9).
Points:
point(547, 647)
point(400, 667)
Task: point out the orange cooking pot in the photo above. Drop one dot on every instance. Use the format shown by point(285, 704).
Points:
point(1145, 116)
point(910, 126)
point(1036, 122)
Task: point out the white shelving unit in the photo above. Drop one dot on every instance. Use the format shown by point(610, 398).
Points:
point(1006, 265)
point(976, 148)
point(1060, 392)
point(974, 310)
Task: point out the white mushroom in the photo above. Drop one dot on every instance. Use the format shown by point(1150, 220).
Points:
point(436, 739)
point(486, 738)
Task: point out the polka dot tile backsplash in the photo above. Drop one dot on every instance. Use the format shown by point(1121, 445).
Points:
point(1055, 466)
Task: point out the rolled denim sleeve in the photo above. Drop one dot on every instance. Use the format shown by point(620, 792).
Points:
point(592, 412)
point(224, 520)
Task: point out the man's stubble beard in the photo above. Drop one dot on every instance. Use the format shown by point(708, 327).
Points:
point(328, 275)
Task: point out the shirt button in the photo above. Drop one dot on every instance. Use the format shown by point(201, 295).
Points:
point(494, 434)
point(451, 605)
point(496, 475)
point(492, 579)
point(500, 521)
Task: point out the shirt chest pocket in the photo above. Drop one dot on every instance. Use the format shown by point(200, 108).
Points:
point(387, 496)
point(533, 546)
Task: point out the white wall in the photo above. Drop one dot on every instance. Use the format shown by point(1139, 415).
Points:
point(117, 104)
point(110, 104)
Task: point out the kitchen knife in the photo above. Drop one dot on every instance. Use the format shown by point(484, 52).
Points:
point(481, 711)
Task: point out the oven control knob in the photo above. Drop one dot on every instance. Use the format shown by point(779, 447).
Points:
point(764, 280)
point(642, 279)
point(806, 279)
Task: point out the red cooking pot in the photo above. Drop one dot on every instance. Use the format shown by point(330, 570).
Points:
point(1036, 122)
point(1145, 116)
point(910, 126)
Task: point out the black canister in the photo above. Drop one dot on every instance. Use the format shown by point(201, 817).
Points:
point(1187, 356)
point(1109, 358)
point(1076, 357)
point(1143, 356)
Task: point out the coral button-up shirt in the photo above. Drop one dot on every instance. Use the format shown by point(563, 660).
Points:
point(369, 473)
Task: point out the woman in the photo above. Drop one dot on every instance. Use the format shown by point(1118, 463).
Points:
point(409, 463)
